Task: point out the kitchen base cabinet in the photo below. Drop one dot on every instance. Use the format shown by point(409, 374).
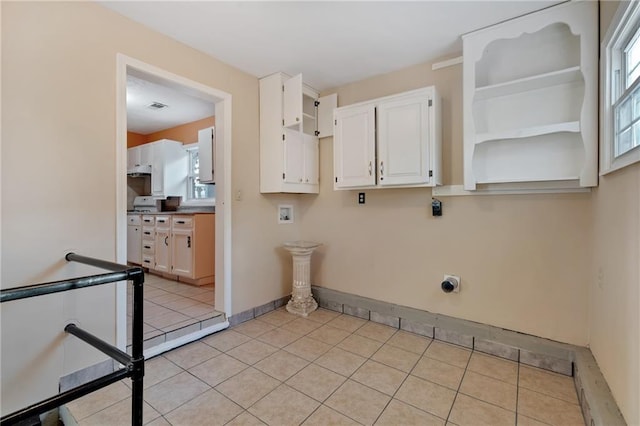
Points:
point(162, 254)
point(134, 239)
point(193, 248)
point(148, 241)
point(180, 247)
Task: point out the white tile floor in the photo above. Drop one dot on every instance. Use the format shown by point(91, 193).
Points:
point(170, 305)
point(330, 368)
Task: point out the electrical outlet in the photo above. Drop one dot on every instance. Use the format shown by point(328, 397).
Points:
point(360, 197)
point(238, 195)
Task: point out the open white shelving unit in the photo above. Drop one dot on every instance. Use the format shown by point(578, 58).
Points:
point(530, 99)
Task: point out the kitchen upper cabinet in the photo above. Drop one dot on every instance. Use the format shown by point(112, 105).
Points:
point(168, 163)
point(206, 152)
point(139, 157)
point(169, 169)
point(393, 141)
point(530, 101)
point(292, 118)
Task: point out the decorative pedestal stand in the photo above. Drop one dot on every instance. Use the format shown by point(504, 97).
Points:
point(302, 302)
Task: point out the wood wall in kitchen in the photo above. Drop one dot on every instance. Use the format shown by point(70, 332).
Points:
point(185, 133)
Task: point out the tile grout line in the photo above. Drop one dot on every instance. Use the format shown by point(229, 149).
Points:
point(403, 381)
point(461, 380)
point(517, 388)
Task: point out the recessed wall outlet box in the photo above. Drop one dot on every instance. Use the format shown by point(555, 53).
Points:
point(451, 284)
point(285, 213)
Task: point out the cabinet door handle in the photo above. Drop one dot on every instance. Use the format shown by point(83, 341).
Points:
point(147, 233)
point(381, 168)
point(188, 242)
point(181, 222)
point(297, 118)
point(166, 241)
point(370, 168)
point(300, 179)
point(147, 247)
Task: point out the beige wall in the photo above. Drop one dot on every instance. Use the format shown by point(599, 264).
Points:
point(521, 258)
point(614, 308)
point(59, 71)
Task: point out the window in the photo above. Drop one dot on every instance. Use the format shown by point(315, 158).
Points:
point(620, 135)
point(197, 191)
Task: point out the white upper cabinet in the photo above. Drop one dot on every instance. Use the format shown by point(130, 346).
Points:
point(292, 118)
point(354, 146)
point(169, 169)
point(404, 149)
point(206, 151)
point(530, 100)
point(292, 93)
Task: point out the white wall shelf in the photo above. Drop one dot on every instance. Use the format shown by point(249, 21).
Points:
point(530, 99)
point(534, 82)
point(570, 126)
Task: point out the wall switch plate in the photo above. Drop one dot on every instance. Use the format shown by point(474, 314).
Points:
point(360, 197)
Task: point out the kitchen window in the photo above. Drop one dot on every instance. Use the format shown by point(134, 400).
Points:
point(197, 191)
point(621, 90)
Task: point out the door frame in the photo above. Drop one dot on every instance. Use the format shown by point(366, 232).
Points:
point(223, 108)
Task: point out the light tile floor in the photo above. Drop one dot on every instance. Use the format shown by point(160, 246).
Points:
point(336, 369)
point(170, 305)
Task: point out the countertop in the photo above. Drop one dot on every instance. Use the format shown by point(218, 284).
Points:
point(184, 211)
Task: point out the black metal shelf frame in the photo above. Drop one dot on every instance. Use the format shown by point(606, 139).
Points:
point(133, 364)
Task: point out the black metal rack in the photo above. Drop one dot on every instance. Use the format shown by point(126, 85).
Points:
point(133, 364)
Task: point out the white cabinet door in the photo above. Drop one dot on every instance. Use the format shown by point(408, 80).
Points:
point(311, 160)
point(162, 244)
point(354, 147)
point(293, 156)
point(292, 102)
point(133, 157)
point(403, 142)
point(157, 170)
point(326, 105)
point(146, 154)
point(134, 244)
point(182, 252)
point(206, 151)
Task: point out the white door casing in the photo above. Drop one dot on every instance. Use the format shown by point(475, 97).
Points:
point(223, 105)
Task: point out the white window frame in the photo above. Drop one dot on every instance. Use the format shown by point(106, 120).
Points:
point(623, 26)
point(194, 201)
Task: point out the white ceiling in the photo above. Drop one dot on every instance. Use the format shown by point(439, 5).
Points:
point(330, 42)
point(181, 107)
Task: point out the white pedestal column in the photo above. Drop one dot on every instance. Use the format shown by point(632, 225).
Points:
point(302, 302)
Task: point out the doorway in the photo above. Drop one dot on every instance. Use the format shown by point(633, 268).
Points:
point(126, 67)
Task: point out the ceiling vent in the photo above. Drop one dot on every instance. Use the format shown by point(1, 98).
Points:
point(157, 105)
